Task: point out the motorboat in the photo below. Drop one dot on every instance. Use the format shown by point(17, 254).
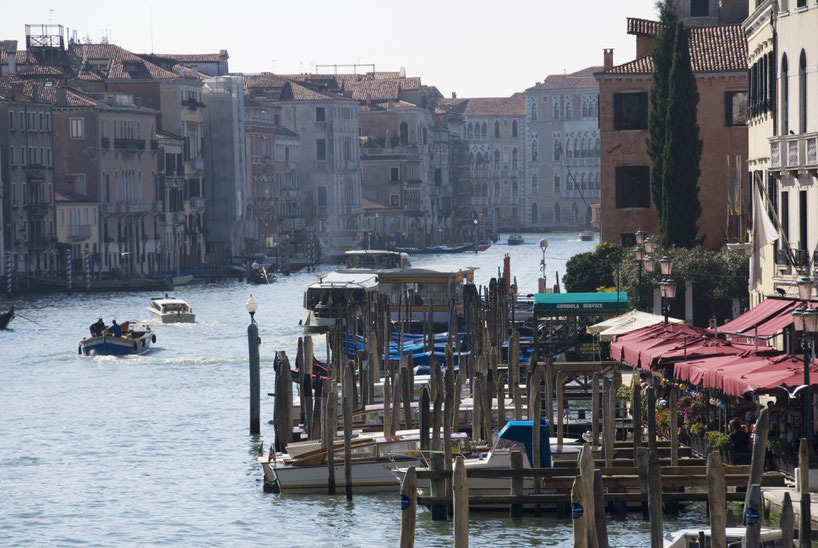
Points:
point(169, 310)
point(330, 297)
point(260, 274)
point(515, 239)
point(6, 317)
point(736, 536)
point(131, 338)
point(586, 236)
point(303, 468)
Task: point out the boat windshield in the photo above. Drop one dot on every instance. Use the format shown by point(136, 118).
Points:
point(507, 446)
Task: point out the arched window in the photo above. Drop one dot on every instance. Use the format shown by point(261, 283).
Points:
point(582, 182)
point(496, 159)
point(584, 148)
point(557, 148)
point(471, 131)
point(785, 88)
point(485, 190)
point(484, 130)
point(496, 129)
point(556, 107)
point(514, 159)
point(556, 212)
point(497, 189)
point(596, 147)
point(514, 128)
point(534, 150)
point(535, 213)
point(597, 181)
point(569, 148)
point(557, 183)
point(404, 133)
point(514, 189)
point(802, 93)
point(532, 112)
point(535, 184)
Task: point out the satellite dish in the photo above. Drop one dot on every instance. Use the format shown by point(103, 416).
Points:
point(543, 244)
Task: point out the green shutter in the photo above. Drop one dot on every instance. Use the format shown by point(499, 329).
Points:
point(617, 104)
point(643, 110)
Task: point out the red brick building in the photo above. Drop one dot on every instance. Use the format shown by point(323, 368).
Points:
point(719, 58)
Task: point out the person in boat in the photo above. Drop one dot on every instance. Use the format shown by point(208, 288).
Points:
point(115, 329)
point(97, 328)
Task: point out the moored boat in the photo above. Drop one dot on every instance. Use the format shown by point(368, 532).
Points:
point(260, 274)
point(131, 338)
point(736, 536)
point(586, 235)
point(6, 317)
point(169, 310)
point(328, 298)
point(515, 239)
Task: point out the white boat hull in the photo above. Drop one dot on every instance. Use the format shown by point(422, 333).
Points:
point(368, 476)
point(173, 317)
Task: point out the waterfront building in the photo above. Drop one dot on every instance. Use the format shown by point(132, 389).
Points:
point(719, 61)
point(783, 141)
point(172, 192)
point(226, 189)
point(27, 167)
point(562, 142)
point(494, 128)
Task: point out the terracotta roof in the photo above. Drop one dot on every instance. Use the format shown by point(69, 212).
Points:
point(23, 90)
point(375, 90)
point(643, 27)
point(391, 105)
point(486, 106)
point(712, 49)
point(189, 57)
point(296, 92)
point(123, 65)
point(264, 80)
point(582, 79)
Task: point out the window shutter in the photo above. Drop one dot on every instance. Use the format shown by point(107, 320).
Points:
point(618, 186)
point(617, 104)
point(643, 110)
point(728, 109)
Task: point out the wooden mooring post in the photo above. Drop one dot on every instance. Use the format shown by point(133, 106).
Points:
point(786, 521)
point(759, 452)
point(579, 517)
point(716, 498)
point(408, 508)
point(595, 410)
point(516, 509)
point(655, 498)
point(752, 518)
point(349, 381)
point(460, 495)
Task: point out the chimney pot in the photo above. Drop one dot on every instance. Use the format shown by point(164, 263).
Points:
point(607, 55)
point(454, 95)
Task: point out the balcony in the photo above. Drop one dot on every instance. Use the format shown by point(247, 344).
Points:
point(321, 211)
point(799, 258)
point(197, 204)
point(321, 165)
point(40, 242)
point(192, 104)
point(78, 233)
point(129, 144)
point(794, 153)
point(195, 165)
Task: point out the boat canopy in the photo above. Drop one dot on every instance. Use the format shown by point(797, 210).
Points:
point(520, 432)
point(580, 304)
point(346, 280)
point(433, 273)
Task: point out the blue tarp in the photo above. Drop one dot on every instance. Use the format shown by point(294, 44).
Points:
point(520, 431)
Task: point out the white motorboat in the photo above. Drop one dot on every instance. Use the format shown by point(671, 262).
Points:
point(375, 259)
point(303, 469)
point(169, 310)
point(330, 297)
point(689, 538)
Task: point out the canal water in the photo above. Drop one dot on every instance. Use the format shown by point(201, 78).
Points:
point(155, 449)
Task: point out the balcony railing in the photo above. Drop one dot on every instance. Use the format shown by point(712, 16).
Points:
point(78, 233)
point(794, 152)
point(775, 153)
point(37, 207)
point(129, 144)
point(799, 258)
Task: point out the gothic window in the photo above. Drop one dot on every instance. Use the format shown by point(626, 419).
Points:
point(785, 88)
point(471, 132)
point(557, 147)
point(535, 184)
point(535, 213)
point(802, 93)
point(496, 159)
point(514, 189)
point(584, 148)
point(557, 189)
point(514, 127)
point(404, 133)
point(534, 150)
point(484, 131)
point(569, 148)
point(532, 112)
point(556, 107)
point(582, 182)
point(514, 159)
point(497, 189)
point(496, 129)
point(596, 147)
point(569, 107)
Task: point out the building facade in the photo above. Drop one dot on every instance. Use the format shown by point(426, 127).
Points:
point(719, 61)
point(783, 140)
point(563, 145)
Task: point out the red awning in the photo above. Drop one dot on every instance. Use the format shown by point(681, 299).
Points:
point(693, 371)
point(778, 322)
point(645, 347)
point(756, 316)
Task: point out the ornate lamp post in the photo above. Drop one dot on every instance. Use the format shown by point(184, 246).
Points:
point(640, 255)
point(805, 319)
point(474, 233)
point(543, 247)
point(667, 287)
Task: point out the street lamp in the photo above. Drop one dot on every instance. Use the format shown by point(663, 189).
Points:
point(255, 374)
point(667, 289)
point(543, 246)
point(666, 265)
point(640, 255)
point(474, 233)
point(805, 319)
point(251, 305)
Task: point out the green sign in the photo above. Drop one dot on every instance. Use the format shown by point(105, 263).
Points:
point(580, 304)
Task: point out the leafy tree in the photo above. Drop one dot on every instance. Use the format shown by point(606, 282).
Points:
point(587, 272)
point(683, 149)
point(662, 55)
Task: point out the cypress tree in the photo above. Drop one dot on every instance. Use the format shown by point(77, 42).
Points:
point(682, 150)
point(662, 55)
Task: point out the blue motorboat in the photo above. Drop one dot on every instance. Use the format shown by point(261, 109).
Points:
point(131, 338)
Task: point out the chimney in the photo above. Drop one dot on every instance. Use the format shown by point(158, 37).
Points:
point(11, 49)
point(454, 95)
point(607, 55)
point(60, 99)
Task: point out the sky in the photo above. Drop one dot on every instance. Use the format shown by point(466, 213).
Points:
point(474, 48)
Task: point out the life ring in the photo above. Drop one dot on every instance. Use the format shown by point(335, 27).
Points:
point(153, 337)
